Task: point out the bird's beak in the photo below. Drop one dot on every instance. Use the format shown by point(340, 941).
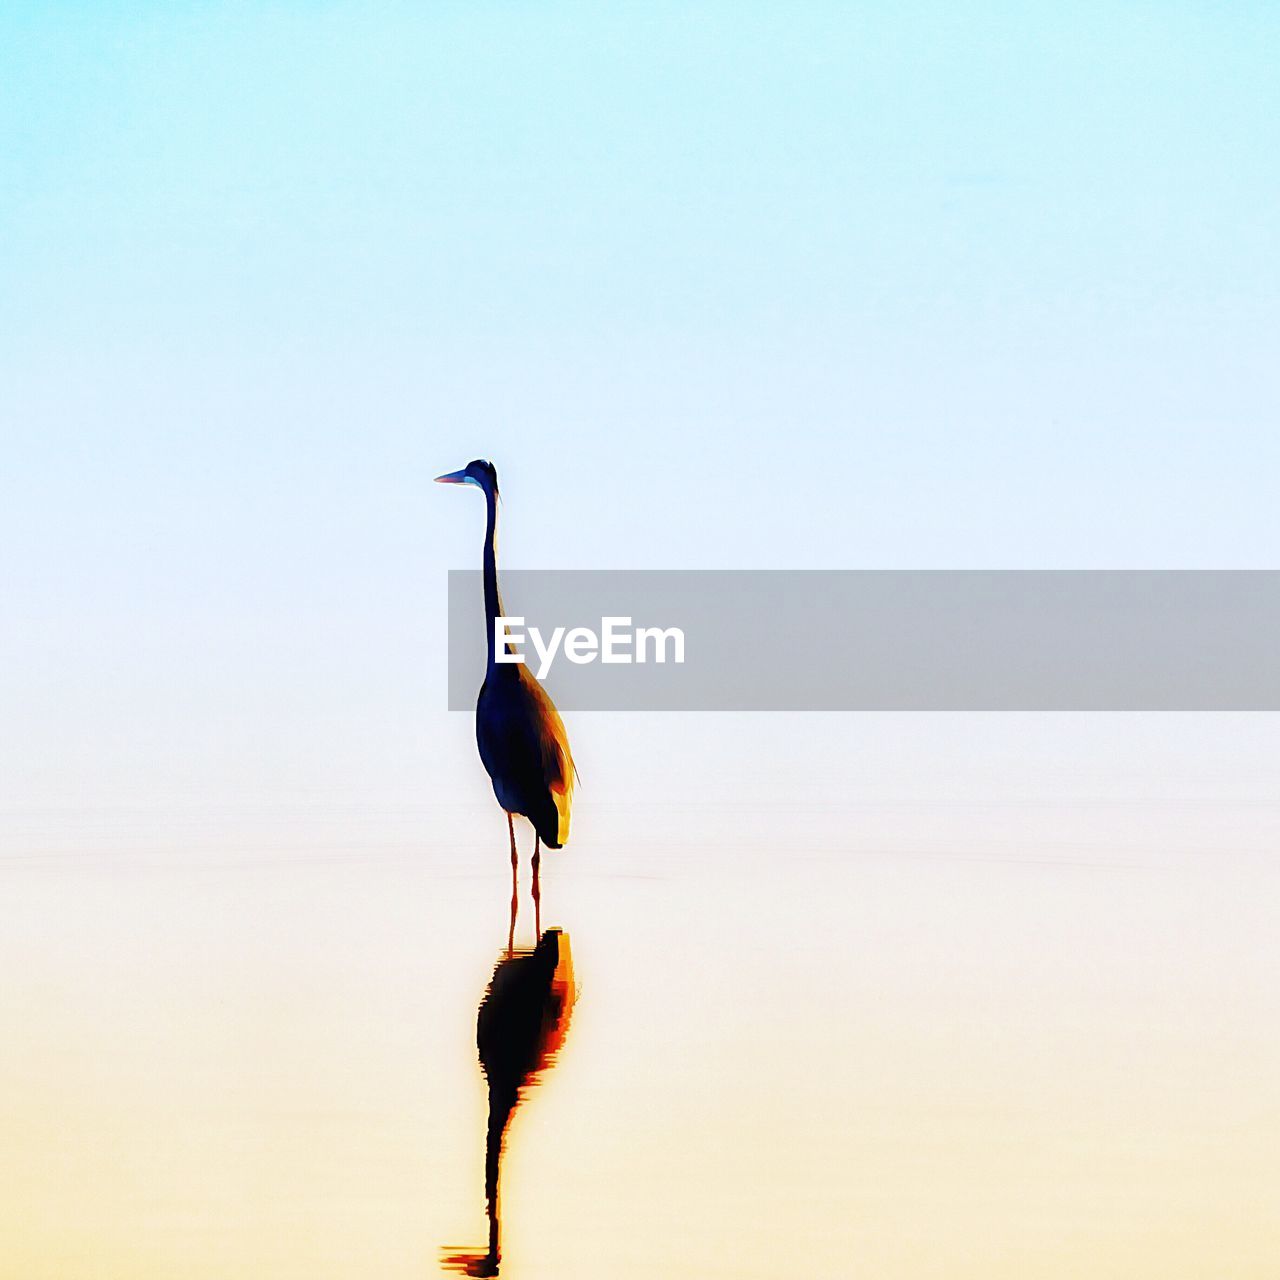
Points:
point(454, 477)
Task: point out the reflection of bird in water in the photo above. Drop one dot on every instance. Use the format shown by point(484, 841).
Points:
point(519, 732)
point(522, 1023)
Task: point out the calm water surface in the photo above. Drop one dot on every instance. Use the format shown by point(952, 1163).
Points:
point(914, 1037)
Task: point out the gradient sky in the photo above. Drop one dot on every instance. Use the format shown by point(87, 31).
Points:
point(716, 285)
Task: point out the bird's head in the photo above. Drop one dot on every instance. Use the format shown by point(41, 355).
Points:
point(480, 473)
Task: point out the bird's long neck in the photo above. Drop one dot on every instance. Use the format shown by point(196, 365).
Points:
point(492, 601)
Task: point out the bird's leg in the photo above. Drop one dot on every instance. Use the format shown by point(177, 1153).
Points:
point(515, 894)
point(537, 888)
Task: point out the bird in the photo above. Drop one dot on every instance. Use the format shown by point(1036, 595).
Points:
point(521, 738)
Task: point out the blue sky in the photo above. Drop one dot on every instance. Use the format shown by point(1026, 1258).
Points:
point(714, 285)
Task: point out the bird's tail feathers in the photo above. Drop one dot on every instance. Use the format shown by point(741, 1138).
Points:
point(562, 798)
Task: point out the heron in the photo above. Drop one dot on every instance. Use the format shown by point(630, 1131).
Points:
point(522, 740)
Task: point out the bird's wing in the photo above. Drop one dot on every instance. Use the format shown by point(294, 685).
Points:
point(549, 732)
point(558, 769)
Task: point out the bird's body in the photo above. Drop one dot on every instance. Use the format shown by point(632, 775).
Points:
point(525, 750)
point(522, 740)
